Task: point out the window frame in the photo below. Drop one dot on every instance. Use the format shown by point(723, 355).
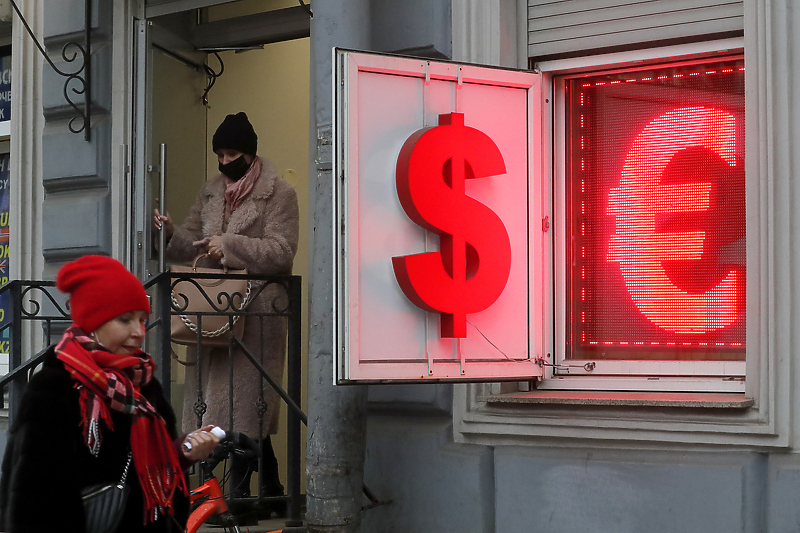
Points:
point(765, 422)
point(693, 376)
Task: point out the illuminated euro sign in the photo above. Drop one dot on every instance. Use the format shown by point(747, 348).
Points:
point(642, 197)
point(470, 271)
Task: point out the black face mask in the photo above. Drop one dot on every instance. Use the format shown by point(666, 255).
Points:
point(236, 169)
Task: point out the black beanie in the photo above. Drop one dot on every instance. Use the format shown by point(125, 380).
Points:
point(236, 133)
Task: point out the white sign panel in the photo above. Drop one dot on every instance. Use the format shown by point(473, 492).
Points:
point(438, 220)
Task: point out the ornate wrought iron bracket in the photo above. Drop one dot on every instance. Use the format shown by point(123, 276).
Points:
point(82, 76)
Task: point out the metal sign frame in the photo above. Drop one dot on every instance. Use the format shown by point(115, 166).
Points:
point(380, 336)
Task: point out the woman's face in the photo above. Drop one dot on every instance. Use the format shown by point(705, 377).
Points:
point(226, 155)
point(124, 334)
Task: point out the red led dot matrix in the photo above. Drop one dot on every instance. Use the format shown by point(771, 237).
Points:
point(655, 181)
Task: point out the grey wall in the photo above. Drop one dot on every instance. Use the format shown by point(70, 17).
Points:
point(434, 485)
point(76, 215)
point(429, 483)
point(417, 27)
point(336, 419)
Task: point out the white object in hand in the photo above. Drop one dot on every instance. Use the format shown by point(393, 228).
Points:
point(216, 430)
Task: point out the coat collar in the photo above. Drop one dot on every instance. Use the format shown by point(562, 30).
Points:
point(247, 212)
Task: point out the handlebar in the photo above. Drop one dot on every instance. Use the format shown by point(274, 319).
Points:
point(216, 430)
point(232, 443)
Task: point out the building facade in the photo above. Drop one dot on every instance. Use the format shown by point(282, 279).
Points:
point(700, 437)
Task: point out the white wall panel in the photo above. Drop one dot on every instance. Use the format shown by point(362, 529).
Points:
point(381, 334)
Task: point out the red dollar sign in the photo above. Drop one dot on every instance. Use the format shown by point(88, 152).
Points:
point(472, 268)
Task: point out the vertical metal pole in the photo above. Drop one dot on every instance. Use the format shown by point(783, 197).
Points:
point(164, 344)
point(17, 386)
point(200, 407)
point(87, 62)
point(230, 376)
point(337, 416)
point(294, 383)
point(162, 191)
point(125, 200)
point(139, 204)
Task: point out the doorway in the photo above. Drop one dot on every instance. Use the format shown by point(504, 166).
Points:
point(267, 80)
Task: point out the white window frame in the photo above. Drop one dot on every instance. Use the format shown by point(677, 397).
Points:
point(481, 417)
point(696, 376)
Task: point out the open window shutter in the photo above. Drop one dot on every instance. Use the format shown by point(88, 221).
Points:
point(383, 105)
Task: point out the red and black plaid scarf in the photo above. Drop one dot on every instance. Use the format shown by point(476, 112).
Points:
point(107, 382)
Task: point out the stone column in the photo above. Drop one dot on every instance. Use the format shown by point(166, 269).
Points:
point(336, 414)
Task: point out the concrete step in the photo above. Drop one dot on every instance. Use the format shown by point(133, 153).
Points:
point(263, 526)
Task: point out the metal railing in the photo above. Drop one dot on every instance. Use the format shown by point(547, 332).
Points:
point(39, 301)
point(30, 301)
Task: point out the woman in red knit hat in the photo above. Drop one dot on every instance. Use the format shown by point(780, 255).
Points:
point(94, 404)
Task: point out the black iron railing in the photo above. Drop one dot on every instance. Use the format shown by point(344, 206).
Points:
point(284, 301)
point(31, 302)
point(40, 302)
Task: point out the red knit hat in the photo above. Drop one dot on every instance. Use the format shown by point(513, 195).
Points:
point(100, 289)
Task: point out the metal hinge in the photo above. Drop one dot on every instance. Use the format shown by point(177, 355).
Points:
point(562, 368)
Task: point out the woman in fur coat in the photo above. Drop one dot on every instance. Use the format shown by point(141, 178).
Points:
point(245, 218)
point(94, 407)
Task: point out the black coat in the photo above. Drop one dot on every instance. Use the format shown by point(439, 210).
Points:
point(46, 462)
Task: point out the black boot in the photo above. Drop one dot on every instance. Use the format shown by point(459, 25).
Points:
point(241, 470)
point(244, 461)
point(270, 479)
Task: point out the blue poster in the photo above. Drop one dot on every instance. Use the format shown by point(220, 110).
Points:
point(5, 88)
point(5, 301)
point(5, 114)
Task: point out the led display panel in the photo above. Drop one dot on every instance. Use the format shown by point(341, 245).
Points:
point(656, 202)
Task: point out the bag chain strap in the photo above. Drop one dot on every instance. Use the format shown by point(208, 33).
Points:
point(125, 472)
point(222, 330)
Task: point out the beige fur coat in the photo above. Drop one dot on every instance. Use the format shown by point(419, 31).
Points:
point(262, 237)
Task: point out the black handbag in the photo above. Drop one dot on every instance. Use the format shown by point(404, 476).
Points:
point(104, 503)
